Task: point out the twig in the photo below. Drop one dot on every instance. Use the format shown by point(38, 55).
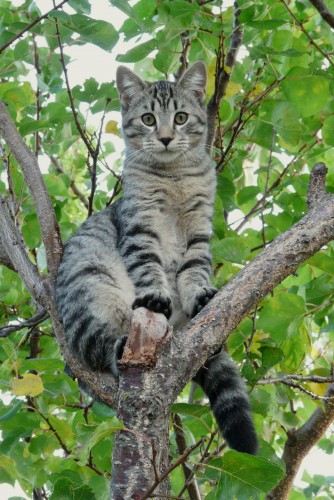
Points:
point(173, 466)
point(31, 25)
point(265, 194)
point(302, 378)
point(180, 438)
point(206, 456)
point(40, 316)
point(299, 443)
point(325, 13)
point(81, 131)
point(307, 34)
point(223, 75)
point(273, 186)
point(73, 185)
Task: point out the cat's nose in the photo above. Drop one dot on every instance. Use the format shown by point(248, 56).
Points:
point(165, 140)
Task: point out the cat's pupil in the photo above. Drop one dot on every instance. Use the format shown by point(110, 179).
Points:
point(148, 119)
point(180, 118)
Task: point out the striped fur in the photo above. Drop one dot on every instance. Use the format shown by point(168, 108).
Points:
point(151, 248)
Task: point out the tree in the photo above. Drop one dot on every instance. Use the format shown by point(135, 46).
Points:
point(271, 118)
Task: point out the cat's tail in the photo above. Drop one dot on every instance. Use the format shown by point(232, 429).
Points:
point(229, 401)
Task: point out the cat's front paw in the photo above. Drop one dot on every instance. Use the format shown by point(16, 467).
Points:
point(155, 302)
point(202, 298)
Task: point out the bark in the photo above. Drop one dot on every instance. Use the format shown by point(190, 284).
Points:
point(142, 455)
point(299, 443)
point(11, 243)
point(325, 13)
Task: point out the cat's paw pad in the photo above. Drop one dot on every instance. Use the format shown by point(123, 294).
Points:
point(202, 298)
point(155, 302)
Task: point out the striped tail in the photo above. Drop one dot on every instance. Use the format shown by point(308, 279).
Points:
point(229, 401)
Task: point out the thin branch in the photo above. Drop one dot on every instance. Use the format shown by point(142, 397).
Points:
point(173, 466)
point(81, 131)
point(73, 185)
point(299, 443)
point(13, 245)
point(40, 316)
point(181, 442)
point(307, 34)
point(34, 179)
point(31, 25)
point(325, 13)
point(223, 75)
point(317, 379)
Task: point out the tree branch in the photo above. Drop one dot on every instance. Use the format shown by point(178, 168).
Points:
point(181, 442)
point(40, 316)
point(299, 443)
point(302, 378)
point(325, 13)
point(181, 358)
point(300, 24)
point(31, 25)
point(223, 75)
point(34, 179)
point(4, 257)
point(13, 246)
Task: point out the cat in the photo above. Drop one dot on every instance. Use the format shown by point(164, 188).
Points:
point(151, 247)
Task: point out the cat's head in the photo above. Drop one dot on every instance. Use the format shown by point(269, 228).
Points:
point(164, 120)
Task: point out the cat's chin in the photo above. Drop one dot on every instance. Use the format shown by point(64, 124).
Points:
point(166, 156)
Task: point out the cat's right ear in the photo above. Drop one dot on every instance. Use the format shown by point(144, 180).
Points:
point(128, 85)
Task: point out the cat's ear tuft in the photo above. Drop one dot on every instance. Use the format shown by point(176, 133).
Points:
point(128, 84)
point(194, 79)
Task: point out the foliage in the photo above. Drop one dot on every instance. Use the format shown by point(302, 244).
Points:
point(275, 123)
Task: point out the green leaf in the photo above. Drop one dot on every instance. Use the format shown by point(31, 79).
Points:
point(55, 185)
point(281, 311)
point(328, 130)
point(308, 93)
point(102, 431)
point(244, 476)
point(232, 249)
point(190, 409)
point(10, 413)
point(100, 33)
point(267, 24)
point(322, 261)
point(66, 489)
point(138, 52)
point(82, 6)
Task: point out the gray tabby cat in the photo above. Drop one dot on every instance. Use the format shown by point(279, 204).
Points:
point(151, 248)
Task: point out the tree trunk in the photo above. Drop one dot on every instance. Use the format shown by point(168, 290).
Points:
point(141, 452)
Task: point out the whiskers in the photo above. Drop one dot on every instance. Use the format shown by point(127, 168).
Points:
point(142, 156)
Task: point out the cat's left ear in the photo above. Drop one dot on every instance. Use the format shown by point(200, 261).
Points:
point(194, 79)
point(128, 84)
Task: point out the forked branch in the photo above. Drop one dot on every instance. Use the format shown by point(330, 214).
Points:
point(299, 443)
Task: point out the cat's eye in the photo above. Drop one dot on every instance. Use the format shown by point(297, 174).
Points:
point(180, 118)
point(148, 119)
